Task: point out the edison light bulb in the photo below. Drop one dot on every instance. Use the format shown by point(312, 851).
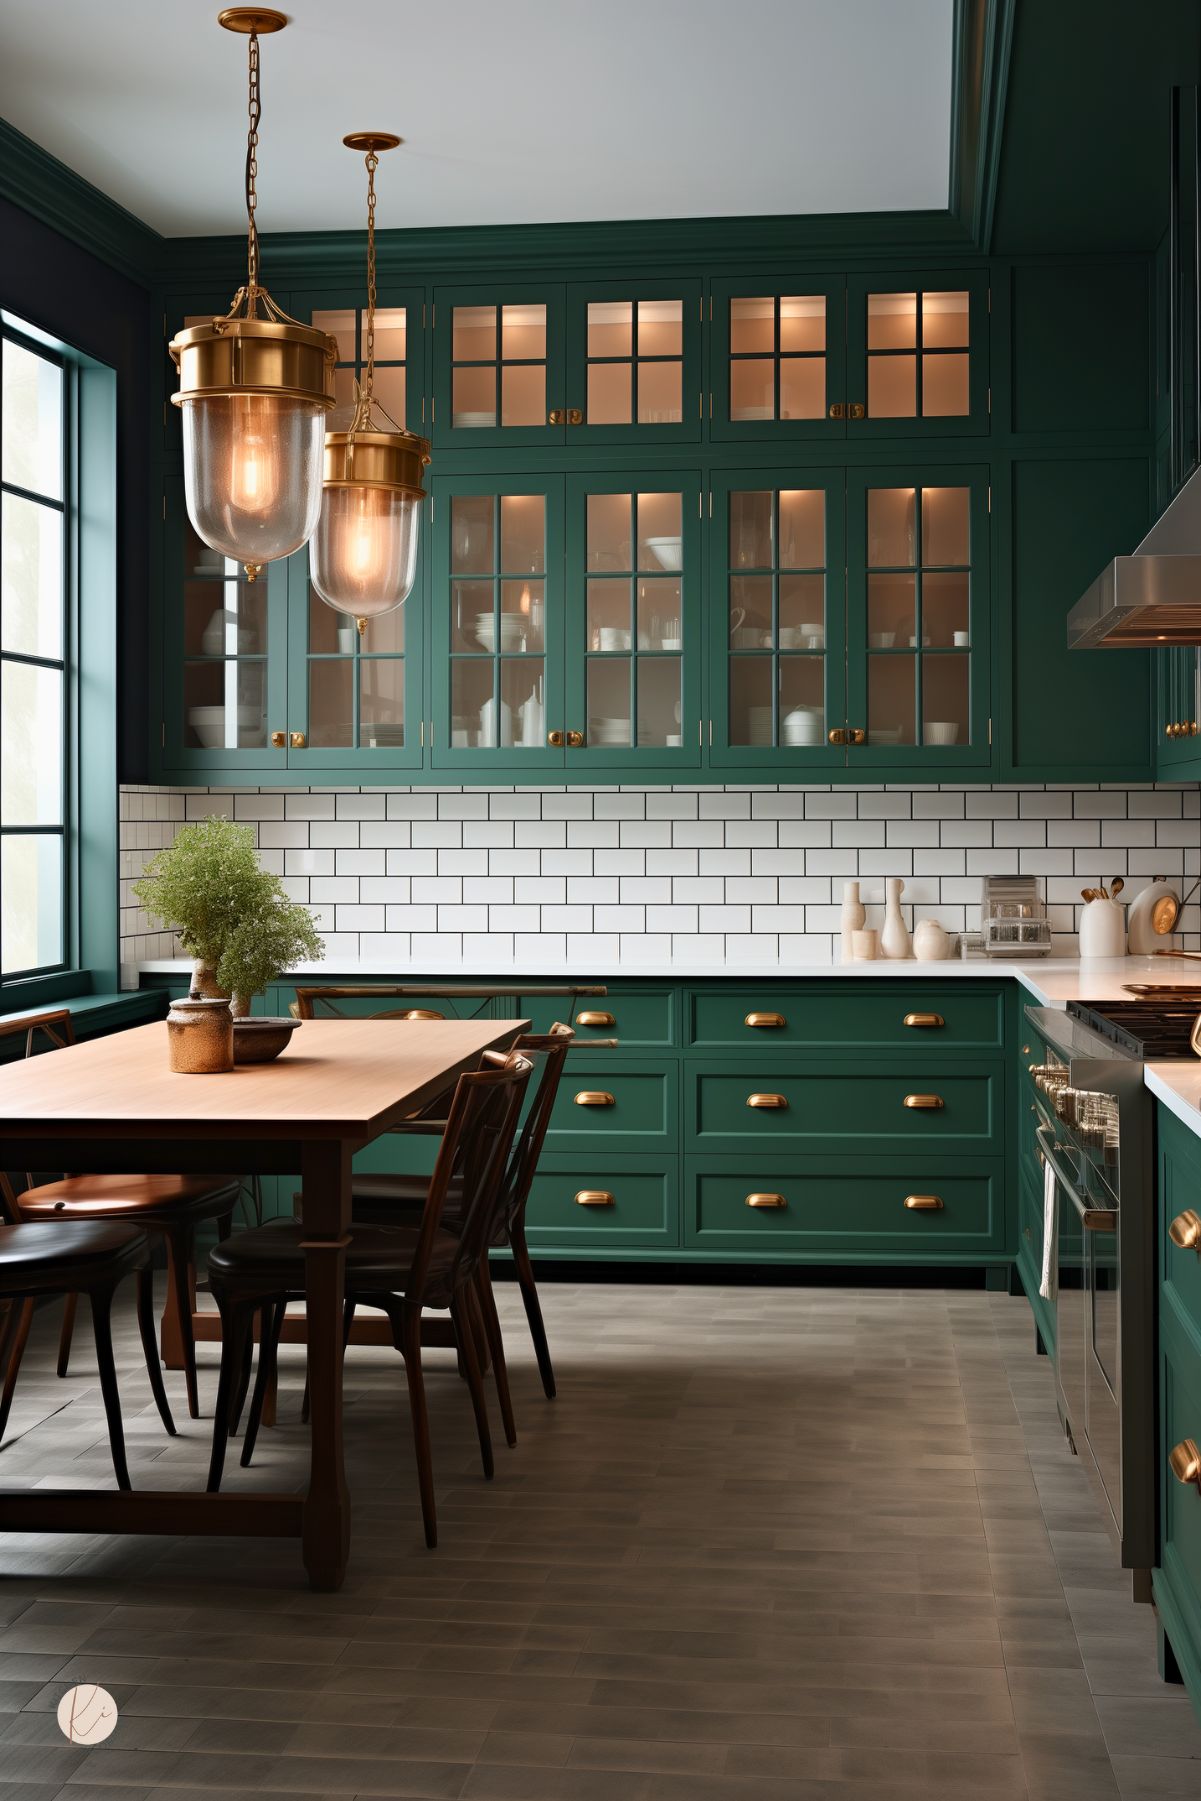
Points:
point(364, 555)
point(252, 472)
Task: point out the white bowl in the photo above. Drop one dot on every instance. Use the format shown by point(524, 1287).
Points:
point(667, 552)
point(208, 723)
point(882, 640)
point(941, 731)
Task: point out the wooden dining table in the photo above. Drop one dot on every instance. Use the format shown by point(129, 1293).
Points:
point(112, 1105)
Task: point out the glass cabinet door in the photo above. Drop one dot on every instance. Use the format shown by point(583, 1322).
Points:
point(632, 686)
point(777, 610)
point(498, 367)
point(399, 350)
point(917, 354)
point(497, 610)
point(777, 358)
point(225, 654)
point(633, 361)
point(354, 697)
point(917, 618)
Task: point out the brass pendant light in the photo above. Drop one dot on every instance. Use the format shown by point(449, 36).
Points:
point(254, 388)
point(364, 553)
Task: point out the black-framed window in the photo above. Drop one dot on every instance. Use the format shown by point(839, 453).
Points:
point(35, 581)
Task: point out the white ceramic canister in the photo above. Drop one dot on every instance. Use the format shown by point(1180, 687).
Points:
point(1102, 929)
point(931, 941)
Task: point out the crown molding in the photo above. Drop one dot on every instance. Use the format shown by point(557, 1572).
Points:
point(38, 183)
point(980, 83)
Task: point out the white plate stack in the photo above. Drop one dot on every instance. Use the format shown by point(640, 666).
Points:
point(802, 726)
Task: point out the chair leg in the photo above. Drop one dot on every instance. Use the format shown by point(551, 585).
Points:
point(180, 1245)
point(460, 1314)
point(410, 1349)
point(67, 1333)
point(12, 1349)
point(496, 1345)
point(533, 1308)
point(269, 1331)
point(102, 1302)
point(154, 1368)
point(236, 1319)
point(243, 1385)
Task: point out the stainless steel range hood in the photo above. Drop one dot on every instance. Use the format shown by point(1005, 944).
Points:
point(1154, 596)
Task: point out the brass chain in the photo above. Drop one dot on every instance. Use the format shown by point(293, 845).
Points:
point(372, 161)
point(255, 110)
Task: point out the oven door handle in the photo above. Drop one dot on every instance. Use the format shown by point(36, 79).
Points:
point(1093, 1219)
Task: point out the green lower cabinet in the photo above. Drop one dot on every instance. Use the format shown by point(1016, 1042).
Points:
point(1179, 1181)
point(832, 1209)
point(918, 1017)
point(764, 1109)
point(1177, 1580)
point(639, 1018)
point(603, 1203)
point(619, 1105)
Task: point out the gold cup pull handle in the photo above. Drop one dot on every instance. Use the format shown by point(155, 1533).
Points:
point(278, 740)
point(856, 735)
point(837, 735)
point(924, 1021)
point(765, 1202)
point(574, 740)
point(924, 1103)
point(595, 1019)
point(772, 1021)
point(767, 1101)
point(556, 415)
point(923, 1203)
point(1184, 1461)
point(594, 1097)
point(1185, 1230)
point(555, 738)
point(594, 1197)
point(296, 740)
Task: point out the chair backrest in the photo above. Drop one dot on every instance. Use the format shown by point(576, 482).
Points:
point(547, 1051)
point(472, 1158)
point(312, 1003)
point(59, 1028)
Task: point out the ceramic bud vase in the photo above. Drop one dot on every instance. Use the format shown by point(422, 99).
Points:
point(895, 942)
point(931, 942)
point(854, 917)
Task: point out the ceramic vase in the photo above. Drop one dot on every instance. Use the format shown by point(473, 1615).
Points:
point(895, 943)
point(854, 917)
point(931, 941)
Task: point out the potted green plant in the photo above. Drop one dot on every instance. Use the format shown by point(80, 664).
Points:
point(233, 918)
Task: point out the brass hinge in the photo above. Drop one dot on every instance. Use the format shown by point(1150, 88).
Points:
point(990, 497)
point(164, 506)
point(700, 506)
point(990, 400)
point(423, 315)
point(433, 409)
point(710, 309)
point(423, 409)
point(162, 734)
point(701, 303)
point(990, 298)
point(710, 406)
point(423, 734)
point(700, 405)
point(431, 509)
point(990, 731)
point(710, 503)
point(433, 314)
point(700, 734)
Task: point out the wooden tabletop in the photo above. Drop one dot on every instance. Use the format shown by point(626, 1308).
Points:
point(338, 1078)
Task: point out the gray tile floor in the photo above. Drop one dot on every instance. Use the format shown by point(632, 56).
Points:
point(780, 1545)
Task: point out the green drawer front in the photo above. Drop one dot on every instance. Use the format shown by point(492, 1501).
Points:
point(834, 1208)
point(641, 1017)
point(850, 1016)
point(642, 1207)
point(867, 1106)
point(638, 1105)
point(1180, 1502)
point(1179, 1193)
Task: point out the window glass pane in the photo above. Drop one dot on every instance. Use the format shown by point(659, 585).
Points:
point(522, 612)
point(523, 394)
point(331, 704)
point(224, 705)
point(390, 392)
point(802, 528)
point(891, 387)
point(891, 321)
point(659, 701)
point(523, 332)
point(891, 687)
point(945, 610)
point(382, 702)
point(385, 634)
point(750, 612)
point(522, 683)
point(473, 398)
point(750, 529)
point(523, 534)
point(341, 325)
point(473, 334)
point(472, 546)
point(609, 613)
point(891, 528)
point(945, 526)
point(802, 612)
point(660, 532)
point(660, 386)
point(803, 387)
point(944, 385)
point(31, 902)
point(330, 633)
point(750, 700)
point(802, 701)
point(390, 334)
point(752, 389)
point(473, 713)
point(753, 326)
point(660, 327)
point(609, 393)
point(945, 321)
point(945, 700)
point(31, 745)
point(891, 611)
point(225, 615)
point(803, 322)
point(472, 617)
point(609, 538)
point(31, 420)
point(610, 720)
point(31, 578)
point(660, 619)
point(610, 327)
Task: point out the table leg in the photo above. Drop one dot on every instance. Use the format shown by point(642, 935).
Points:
point(325, 1213)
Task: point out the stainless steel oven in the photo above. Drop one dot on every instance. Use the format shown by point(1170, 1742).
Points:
point(1093, 1133)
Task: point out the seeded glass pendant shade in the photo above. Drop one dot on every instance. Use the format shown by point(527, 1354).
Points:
point(364, 554)
point(254, 389)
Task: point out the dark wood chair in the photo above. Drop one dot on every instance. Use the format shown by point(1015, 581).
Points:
point(78, 1258)
point(168, 1207)
point(401, 1270)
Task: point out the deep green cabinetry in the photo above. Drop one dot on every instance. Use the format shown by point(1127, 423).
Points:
point(1178, 713)
point(1177, 1578)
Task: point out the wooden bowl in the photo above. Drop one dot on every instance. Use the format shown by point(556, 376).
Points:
point(260, 1040)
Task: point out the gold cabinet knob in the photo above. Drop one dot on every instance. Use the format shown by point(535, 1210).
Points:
point(924, 1103)
point(1025, 1050)
point(574, 740)
point(765, 1202)
point(555, 738)
point(856, 410)
point(1185, 1230)
point(594, 1097)
point(575, 415)
point(838, 409)
point(856, 735)
point(766, 1101)
point(296, 740)
point(555, 416)
point(836, 735)
point(924, 1021)
point(594, 1197)
point(923, 1203)
point(595, 1019)
point(1184, 1461)
point(278, 740)
point(771, 1021)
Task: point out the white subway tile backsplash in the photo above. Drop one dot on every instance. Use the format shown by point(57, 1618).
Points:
point(713, 873)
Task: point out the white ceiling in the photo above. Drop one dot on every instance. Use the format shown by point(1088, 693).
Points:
point(513, 111)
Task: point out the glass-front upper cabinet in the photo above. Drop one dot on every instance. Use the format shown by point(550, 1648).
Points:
point(917, 354)
point(777, 620)
point(399, 351)
point(563, 364)
point(917, 617)
point(632, 683)
point(778, 363)
point(497, 622)
point(225, 662)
